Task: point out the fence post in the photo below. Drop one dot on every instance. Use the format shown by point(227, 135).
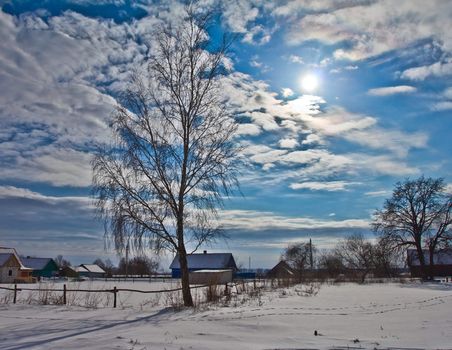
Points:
point(15, 293)
point(64, 294)
point(114, 296)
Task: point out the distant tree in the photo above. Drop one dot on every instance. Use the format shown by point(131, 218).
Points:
point(386, 259)
point(298, 256)
point(139, 265)
point(331, 263)
point(61, 262)
point(357, 254)
point(417, 215)
point(173, 158)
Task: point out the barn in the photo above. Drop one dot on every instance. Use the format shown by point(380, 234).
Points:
point(204, 261)
point(90, 271)
point(281, 270)
point(442, 262)
point(11, 268)
point(42, 267)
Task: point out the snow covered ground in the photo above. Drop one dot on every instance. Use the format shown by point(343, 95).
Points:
point(348, 316)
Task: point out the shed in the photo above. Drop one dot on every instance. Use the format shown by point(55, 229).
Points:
point(90, 271)
point(210, 276)
point(204, 261)
point(11, 267)
point(281, 270)
point(442, 262)
point(42, 267)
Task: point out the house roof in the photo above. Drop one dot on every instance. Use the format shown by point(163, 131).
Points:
point(92, 268)
point(442, 257)
point(36, 263)
point(281, 267)
point(11, 251)
point(4, 257)
point(207, 261)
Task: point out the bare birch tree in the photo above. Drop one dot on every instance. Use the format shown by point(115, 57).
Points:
point(418, 215)
point(173, 158)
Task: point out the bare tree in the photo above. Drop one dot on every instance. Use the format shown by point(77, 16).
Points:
point(61, 262)
point(331, 263)
point(173, 160)
point(299, 257)
point(417, 215)
point(357, 254)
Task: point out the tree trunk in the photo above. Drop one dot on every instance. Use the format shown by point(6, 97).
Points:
point(186, 293)
point(421, 257)
point(431, 266)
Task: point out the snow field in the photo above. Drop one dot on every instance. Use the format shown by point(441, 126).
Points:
point(373, 316)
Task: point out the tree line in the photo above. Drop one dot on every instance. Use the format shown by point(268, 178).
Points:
point(416, 216)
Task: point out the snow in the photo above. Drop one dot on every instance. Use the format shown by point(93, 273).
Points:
point(372, 316)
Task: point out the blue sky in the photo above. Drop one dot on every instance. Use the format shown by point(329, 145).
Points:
point(320, 159)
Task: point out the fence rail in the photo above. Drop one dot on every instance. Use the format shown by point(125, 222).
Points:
point(115, 291)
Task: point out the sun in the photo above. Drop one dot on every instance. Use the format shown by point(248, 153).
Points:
point(309, 82)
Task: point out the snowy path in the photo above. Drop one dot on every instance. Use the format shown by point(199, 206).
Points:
point(347, 317)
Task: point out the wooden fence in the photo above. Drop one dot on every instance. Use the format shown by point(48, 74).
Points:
point(115, 291)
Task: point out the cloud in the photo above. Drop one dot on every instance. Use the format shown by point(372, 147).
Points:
point(296, 59)
point(49, 224)
point(256, 220)
point(442, 106)
point(288, 143)
point(238, 13)
point(369, 28)
point(381, 193)
point(438, 69)
point(287, 92)
point(391, 90)
point(330, 186)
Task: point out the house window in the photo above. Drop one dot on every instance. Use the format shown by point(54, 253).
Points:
point(10, 272)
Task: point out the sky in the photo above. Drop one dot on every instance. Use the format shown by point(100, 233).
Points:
point(336, 101)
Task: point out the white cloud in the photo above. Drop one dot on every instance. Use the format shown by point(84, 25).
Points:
point(442, 106)
point(288, 143)
point(381, 193)
point(256, 220)
point(296, 59)
point(392, 90)
point(330, 186)
point(287, 92)
point(438, 69)
point(370, 27)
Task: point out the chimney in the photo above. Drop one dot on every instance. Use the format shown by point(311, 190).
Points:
point(205, 252)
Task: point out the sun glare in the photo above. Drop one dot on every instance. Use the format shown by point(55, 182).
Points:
point(309, 82)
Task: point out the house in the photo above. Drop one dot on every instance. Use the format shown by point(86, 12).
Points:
point(210, 277)
point(442, 262)
point(90, 271)
point(204, 261)
point(68, 271)
point(11, 268)
point(42, 267)
point(281, 270)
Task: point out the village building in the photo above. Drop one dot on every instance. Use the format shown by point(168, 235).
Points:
point(442, 262)
point(12, 270)
point(42, 267)
point(281, 270)
point(222, 263)
point(90, 271)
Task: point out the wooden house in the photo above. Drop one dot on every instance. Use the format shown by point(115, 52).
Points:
point(442, 262)
point(42, 267)
point(90, 271)
point(282, 270)
point(204, 261)
point(11, 268)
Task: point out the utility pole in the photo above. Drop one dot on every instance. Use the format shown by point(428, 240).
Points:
point(311, 259)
